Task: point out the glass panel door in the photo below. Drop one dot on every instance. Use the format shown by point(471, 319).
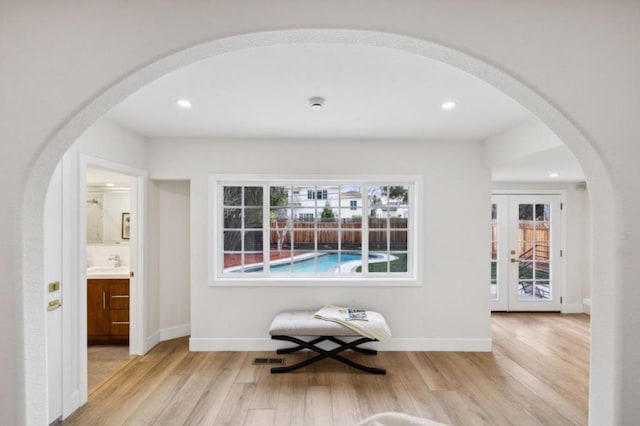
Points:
point(534, 233)
point(525, 253)
point(499, 290)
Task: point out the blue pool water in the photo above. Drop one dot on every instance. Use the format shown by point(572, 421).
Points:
point(325, 263)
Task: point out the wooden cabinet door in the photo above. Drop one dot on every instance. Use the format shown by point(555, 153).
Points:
point(98, 322)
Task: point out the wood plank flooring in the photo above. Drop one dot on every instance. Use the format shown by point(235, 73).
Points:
point(537, 374)
point(103, 361)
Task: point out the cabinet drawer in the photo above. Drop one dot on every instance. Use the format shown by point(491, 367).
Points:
point(120, 322)
point(119, 294)
point(119, 301)
point(119, 287)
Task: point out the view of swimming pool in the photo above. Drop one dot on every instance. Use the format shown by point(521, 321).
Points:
point(323, 263)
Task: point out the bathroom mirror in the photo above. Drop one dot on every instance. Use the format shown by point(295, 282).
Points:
point(107, 206)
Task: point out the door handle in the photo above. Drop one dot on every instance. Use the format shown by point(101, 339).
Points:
point(104, 300)
point(514, 260)
point(53, 305)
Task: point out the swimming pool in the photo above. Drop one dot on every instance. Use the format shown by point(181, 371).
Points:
point(325, 262)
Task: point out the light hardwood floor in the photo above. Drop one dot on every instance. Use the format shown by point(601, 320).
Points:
point(103, 361)
point(537, 374)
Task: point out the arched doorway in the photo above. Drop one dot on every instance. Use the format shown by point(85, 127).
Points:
point(69, 131)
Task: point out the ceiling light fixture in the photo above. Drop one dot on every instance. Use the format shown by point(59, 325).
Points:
point(183, 103)
point(448, 105)
point(554, 174)
point(109, 184)
point(316, 102)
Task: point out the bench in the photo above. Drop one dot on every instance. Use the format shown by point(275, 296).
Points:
point(290, 325)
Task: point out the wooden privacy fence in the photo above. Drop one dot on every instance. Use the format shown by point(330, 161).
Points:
point(304, 233)
point(529, 239)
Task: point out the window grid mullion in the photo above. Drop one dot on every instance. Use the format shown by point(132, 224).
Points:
point(242, 213)
point(266, 229)
point(339, 227)
point(316, 230)
point(364, 226)
point(322, 195)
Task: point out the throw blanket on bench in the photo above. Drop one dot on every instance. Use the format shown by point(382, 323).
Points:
point(375, 328)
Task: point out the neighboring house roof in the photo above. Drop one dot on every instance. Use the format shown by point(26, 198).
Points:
point(351, 194)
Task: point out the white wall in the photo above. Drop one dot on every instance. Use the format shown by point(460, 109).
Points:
point(588, 264)
point(578, 234)
point(168, 261)
point(58, 78)
point(450, 307)
point(53, 231)
point(100, 254)
point(109, 142)
point(152, 326)
point(521, 140)
point(174, 258)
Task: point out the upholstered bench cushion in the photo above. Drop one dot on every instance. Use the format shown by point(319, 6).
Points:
point(290, 326)
point(303, 323)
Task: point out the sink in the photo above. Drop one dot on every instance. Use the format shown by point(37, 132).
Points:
point(107, 272)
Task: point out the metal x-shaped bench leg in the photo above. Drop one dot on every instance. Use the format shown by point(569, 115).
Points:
point(322, 354)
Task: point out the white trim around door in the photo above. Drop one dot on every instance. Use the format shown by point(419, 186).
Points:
point(75, 323)
point(528, 255)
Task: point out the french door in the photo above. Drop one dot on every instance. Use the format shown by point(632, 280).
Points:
point(526, 254)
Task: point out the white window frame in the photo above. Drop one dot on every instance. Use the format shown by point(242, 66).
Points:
point(215, 258)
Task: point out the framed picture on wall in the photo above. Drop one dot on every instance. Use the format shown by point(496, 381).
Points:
point(126, 226)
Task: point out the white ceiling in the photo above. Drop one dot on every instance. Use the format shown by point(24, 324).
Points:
point(370, 92)
point(535, 167)
point(99, 177)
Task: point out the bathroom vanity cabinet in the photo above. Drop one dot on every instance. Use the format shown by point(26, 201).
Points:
point(107, 310)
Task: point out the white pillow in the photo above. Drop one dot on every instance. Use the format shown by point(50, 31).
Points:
point(397, 419)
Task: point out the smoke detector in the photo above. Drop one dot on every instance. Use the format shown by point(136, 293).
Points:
point(316, 102)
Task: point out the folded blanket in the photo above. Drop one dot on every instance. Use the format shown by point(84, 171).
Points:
point(375, 327)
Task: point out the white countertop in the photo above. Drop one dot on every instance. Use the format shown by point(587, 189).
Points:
point(107, 272)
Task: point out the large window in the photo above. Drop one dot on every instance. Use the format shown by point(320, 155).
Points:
point(320, 229)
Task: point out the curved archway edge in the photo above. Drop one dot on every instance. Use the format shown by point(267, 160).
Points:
point(603, 377)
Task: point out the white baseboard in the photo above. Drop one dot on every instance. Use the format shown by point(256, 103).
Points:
point(572, 308)
point(399, 344)
point(586, 305)
point(175, 332)
point(151, 341)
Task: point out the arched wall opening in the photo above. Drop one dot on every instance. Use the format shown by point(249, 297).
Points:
point(604, 344)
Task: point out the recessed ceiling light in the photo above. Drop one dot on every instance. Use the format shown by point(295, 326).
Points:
point(316, 102)
point(554, 174)
point(109, 184)
point(183, 103)
point(448, 105)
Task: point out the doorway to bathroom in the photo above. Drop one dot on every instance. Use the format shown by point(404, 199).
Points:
point(111, 231)
point(108, 257)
